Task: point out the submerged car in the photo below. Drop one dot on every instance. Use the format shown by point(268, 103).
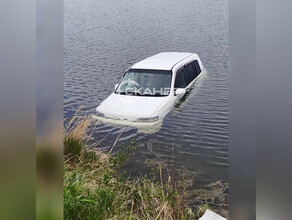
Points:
point(150, 88)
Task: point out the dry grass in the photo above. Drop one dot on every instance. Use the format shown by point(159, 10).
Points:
point(95, 187)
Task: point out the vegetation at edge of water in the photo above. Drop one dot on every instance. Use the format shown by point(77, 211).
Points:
point(96, 188)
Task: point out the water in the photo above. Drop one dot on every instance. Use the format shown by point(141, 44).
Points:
point(104, 37)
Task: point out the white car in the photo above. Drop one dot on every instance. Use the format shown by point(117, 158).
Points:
point(150, 88)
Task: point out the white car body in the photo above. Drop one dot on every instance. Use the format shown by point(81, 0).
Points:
point(131, 109)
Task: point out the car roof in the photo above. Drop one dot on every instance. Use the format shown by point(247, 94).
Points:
point(162, 61)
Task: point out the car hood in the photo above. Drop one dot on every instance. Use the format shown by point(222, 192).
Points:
point(130, 107)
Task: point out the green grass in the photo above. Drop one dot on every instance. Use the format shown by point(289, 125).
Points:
point(95, 187)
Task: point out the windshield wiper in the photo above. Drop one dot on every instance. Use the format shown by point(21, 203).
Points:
point(129, 93)
point(140, 94)
point(159, 94)
point(155, 94)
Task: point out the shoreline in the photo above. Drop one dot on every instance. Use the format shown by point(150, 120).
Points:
point(95, 186)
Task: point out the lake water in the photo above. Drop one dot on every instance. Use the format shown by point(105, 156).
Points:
point(104, 37)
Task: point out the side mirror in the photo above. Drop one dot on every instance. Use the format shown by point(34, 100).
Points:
point(180, 91)
point(116, 86)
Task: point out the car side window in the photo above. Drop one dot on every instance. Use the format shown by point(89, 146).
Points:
point(180, 80)
point(191, 72)
point(198, 68)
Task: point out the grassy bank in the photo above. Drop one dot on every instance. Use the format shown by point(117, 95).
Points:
point(95, 187)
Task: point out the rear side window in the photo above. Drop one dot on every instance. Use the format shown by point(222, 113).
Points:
point(180, 80)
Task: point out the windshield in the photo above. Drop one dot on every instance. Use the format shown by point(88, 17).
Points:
point(145, 82)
